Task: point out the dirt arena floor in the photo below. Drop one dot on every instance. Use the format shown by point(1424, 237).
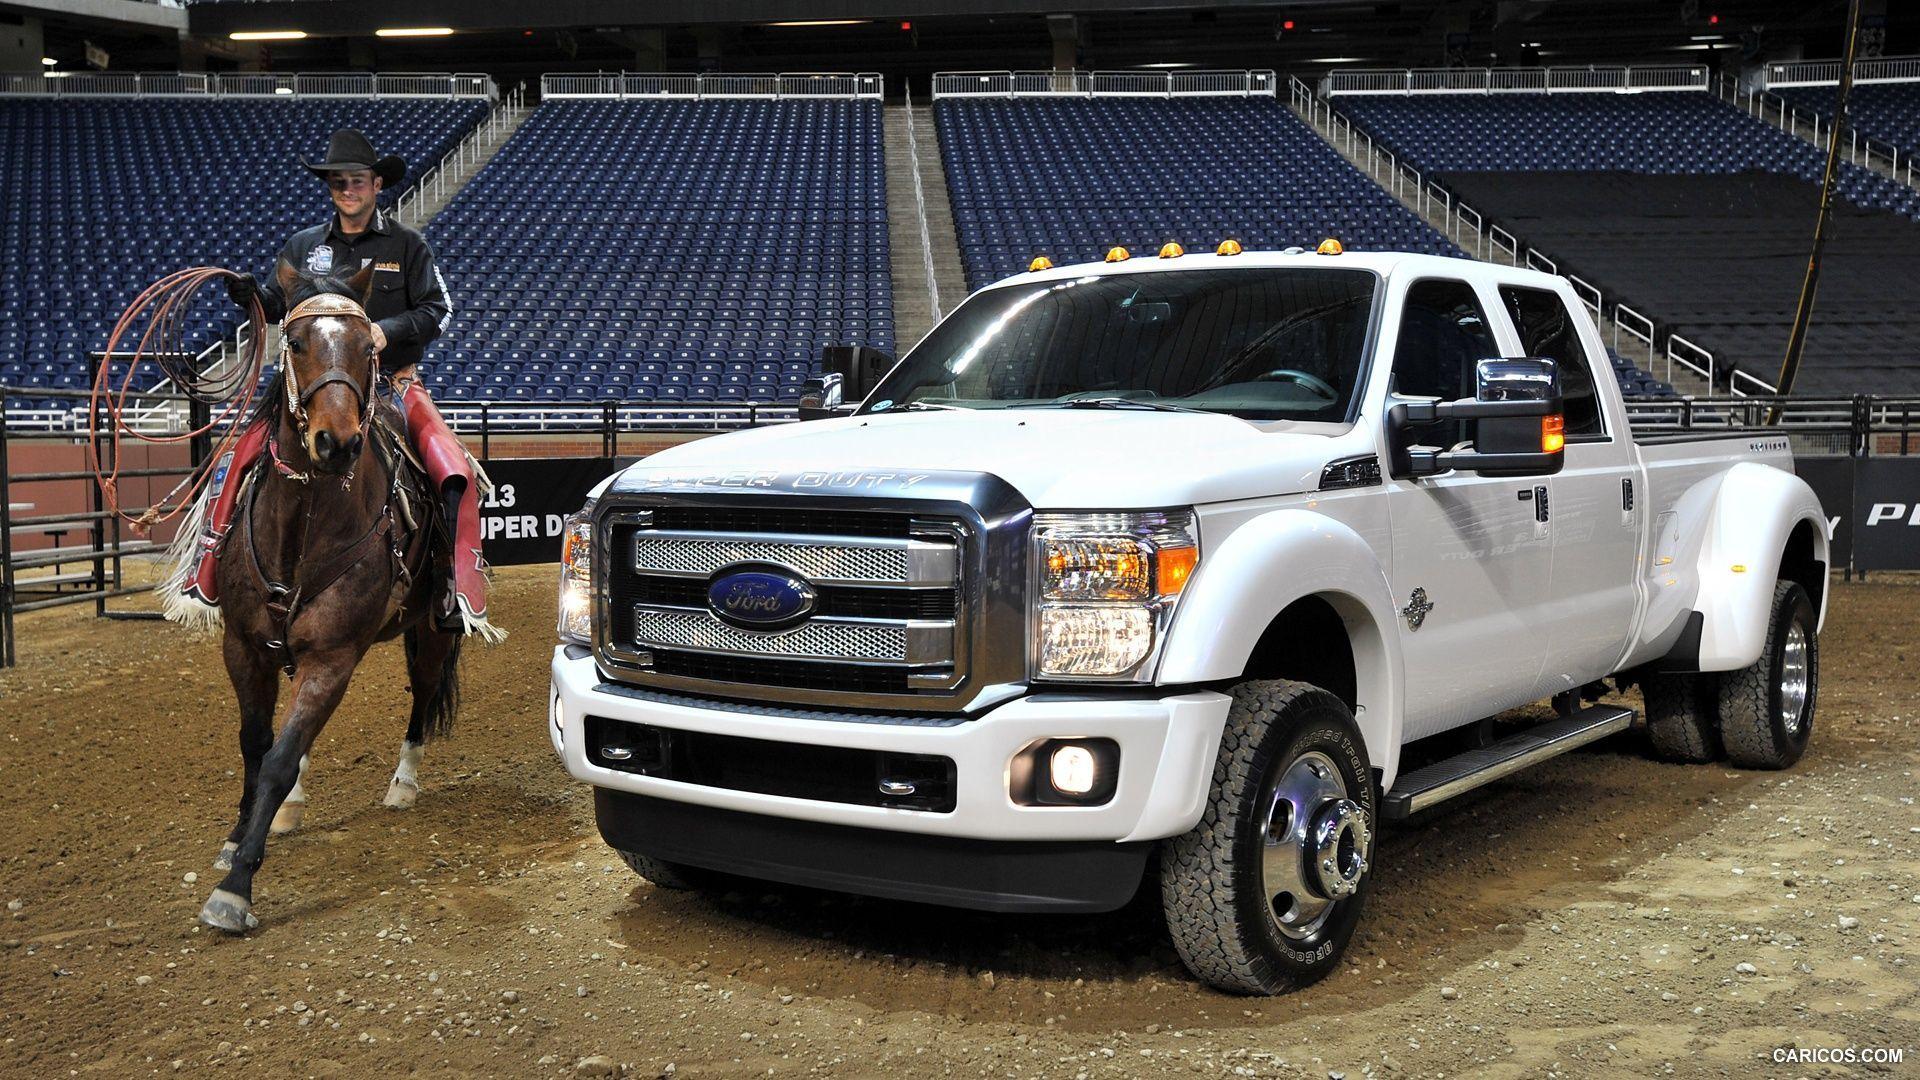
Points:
point(1603, 915)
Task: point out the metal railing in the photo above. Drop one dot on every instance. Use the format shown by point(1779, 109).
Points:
point(920, 210)
point(1861, 149)
point(1488, 241)
point(1063, 83)
point(89, 84)
point(1880, 69)
point(451, 169)
point(1544, 80)
point(770, 86)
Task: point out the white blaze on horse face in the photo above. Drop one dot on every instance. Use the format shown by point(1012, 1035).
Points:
point(405, 786)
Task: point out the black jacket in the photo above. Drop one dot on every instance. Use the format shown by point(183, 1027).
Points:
point(410, 299)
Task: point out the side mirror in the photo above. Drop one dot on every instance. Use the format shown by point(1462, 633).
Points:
point(1521, 430)
point(852, 371)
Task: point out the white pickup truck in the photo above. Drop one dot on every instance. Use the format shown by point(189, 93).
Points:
point(1177, 557)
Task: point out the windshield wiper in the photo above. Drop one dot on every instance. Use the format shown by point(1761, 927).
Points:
point(1105, 403)
point(915, 406)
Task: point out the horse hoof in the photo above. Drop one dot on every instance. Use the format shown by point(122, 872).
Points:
point(228, 911)
point(400, 796)
point(224, 860)
point(287, 818)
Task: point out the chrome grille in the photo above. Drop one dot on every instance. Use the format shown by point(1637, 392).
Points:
point(815, 639)
point(891, 617)
point(842, 559)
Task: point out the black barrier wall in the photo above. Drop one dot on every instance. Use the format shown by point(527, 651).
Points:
point(520, 523)
point(1886, 513)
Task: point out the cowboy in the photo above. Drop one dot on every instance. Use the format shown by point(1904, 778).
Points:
point(408, 308)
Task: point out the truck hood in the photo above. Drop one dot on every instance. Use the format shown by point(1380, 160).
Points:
point(1057, 458)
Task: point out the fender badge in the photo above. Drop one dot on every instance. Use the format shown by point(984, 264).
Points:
point(1416, 610)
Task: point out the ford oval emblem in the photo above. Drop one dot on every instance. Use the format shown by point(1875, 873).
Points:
point(760, 599)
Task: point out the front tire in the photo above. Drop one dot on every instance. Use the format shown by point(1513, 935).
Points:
point(1262, 896)
point(1766, 708)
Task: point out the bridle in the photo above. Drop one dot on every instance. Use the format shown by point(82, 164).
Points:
point(323, 305)
point(329, 305)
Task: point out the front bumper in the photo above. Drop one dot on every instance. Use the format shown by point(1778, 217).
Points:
point(1168, 745)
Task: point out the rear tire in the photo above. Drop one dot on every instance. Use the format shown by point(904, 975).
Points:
point(1766, 708)
point(1683, 715)
point(664, 874)
point(1291, 764)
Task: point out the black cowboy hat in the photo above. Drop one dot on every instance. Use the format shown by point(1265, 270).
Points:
point(348, 150)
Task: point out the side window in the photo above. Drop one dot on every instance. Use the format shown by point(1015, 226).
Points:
point(1546, 329)
point(1443, 337)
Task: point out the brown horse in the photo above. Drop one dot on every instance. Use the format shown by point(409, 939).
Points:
point(329, 556)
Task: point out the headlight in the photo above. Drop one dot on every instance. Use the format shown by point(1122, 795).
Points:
point(576, 577)
point(1106, 587)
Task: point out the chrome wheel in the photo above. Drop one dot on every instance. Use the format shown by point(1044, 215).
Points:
point(1315, 843)
point(1795, 679)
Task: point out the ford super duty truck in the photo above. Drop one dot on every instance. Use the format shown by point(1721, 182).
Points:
point(1165, 566)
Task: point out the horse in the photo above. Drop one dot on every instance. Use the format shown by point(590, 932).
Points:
point(327, 557)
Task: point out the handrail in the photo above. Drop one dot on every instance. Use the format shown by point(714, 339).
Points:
point(1861, 148)
point(1062, 82)
point(140, 84)
point(920, 207)
point(1474, 232)
point(489, 132)
point(1879, 69)
point(771, 86)
point(1539, 80)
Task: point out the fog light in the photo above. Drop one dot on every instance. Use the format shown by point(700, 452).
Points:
point(1065, 772)
point(1073, 769)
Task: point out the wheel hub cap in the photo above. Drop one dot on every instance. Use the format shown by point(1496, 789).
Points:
point(1795, 679)
point(1315, 845)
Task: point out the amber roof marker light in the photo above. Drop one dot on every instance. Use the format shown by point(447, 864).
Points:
point(1228, 247)
point(1118, 254)
point(1330, 246)
point(1171, 250)
point(1039, 263)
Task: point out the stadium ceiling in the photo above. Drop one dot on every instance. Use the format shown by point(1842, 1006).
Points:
point(514, 39)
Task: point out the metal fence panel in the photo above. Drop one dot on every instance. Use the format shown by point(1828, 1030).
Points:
point(334, 84)
point(1517, 80)
point(103, 83)
point(1448, 80)
point(973, 84)
point(743, 85)
point(1132, 83)
point(254, 84)
point(1672, 77)
point(599, 84)
point(1884, 69)
point(1051, 83)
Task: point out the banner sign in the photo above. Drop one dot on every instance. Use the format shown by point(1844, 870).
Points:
point(1831, 479)
point(520, 522)
point(1886, 513)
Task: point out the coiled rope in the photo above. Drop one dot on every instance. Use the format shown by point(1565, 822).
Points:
point(165, 307)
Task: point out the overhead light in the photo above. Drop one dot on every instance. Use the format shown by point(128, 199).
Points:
point(823, 22)
point(1338, 60)
point(1166, 65)
point(1707, 37)
point(48, 61)
point(414, 31)
point(267, 35)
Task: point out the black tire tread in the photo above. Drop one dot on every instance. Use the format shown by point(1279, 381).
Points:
point(1682, 716)
point(1746, 696)
point(1197, 886)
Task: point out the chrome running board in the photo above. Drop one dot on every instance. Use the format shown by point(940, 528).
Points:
point(1436, 783)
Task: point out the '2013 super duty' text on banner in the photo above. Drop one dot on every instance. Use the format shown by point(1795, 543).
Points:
point(520, 522)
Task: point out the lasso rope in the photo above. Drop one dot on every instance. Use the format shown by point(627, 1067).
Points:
point(166, 305)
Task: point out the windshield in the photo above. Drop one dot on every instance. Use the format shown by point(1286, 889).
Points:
point(1260, 343)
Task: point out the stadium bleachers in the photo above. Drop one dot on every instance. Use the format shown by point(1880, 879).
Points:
point(1689, 209)
point(666, 251)
point(1890, 112)
point(1069, 178)
point(102, 197)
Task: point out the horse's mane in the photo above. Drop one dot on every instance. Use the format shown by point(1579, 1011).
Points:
point(273, 399)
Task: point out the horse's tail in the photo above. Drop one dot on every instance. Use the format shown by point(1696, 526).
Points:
point(445, 701)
